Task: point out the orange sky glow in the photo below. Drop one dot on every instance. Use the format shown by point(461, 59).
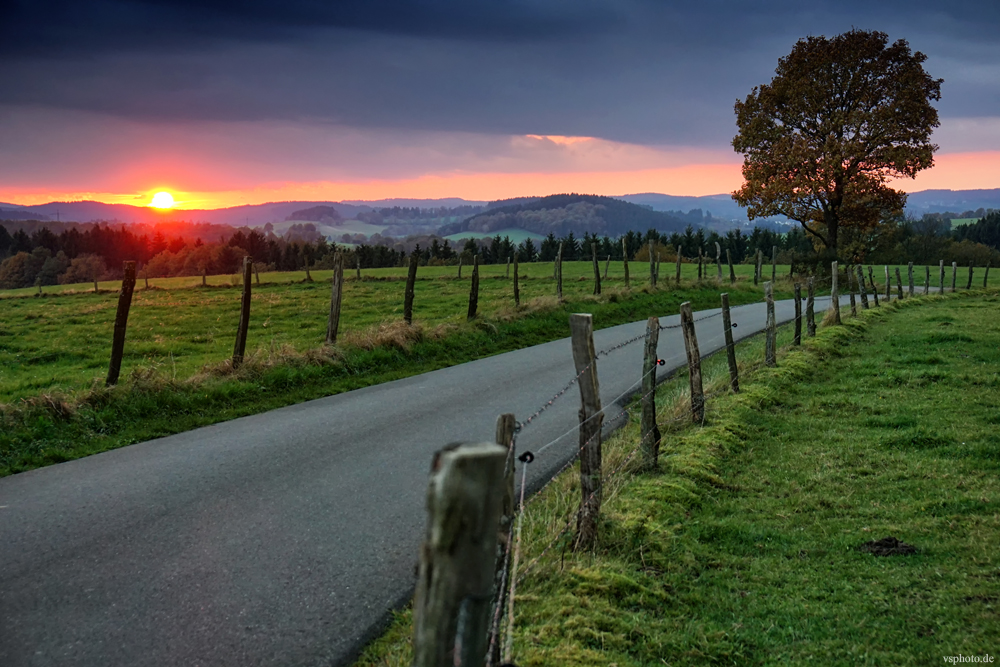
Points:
point(954, 171)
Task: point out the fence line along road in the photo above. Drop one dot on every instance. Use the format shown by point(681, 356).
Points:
point(282, 537)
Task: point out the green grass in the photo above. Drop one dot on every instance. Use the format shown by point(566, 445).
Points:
point(54, 349)
point(959, 222)
point(515, 235)
point(742, 548)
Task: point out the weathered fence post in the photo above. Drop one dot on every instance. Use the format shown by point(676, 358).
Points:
point(863, 287)
point(797, 339)
point(607, 265)
point(336, 292)
point(986, 275)
point(700, 259)
point(941, 277)
point(239, 349)
point(508, 506)
point(871, 279)
point(888, 285)
point(718, 261)
point(774, 263)
point(121, 323)
point(811, 307)
point(909, 270)
point(899, 285)
point(927, 279)
point(459, 267)
point(756, 272)
point(559, 294)
point(517, 286)
point(650, 431)
point(969, 286)
point(732, 272)
point(507, 274)
point(652, 266)
point(727, 328)
point(625, 261)
point(678, 279)
point(597, 269)
point(770, 340)
point(954, 275)
point(256, 275)
point(204, 276)
point(455, 577)
point(411, 280)
point(694, 363)
point(357, 266)
point(474, 290)
point(309, 277)
point(849, 274)
point(145, 277)
point(834, 294)
point(591, 420)
point(658, 262)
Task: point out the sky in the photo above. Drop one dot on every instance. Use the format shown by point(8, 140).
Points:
point(225, 103)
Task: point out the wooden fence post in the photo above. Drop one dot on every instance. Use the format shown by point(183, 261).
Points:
point(954, 275)
point(508, 506)
point(756, 272)
point(256, 274)
point(459, 267)
point(559, 294)
point(517, 286)
point(204, 276)
point(888, 285)
point(658, 262)
point(145, 277)
point(797, 339)
point(650, 431)
point(899, 285)
point(700, 259)
point(863, 287)
point(607, 265)
point(474, 290)
point(336, 294)
point(927, 279)
point(678, 278)
point(239, 349)
point(507, 274)
point(451, 607)
point(986, 276)
point(591, 420)
point(969, 286)
point(597, 269)
point(727, 328)
point(871, 279)
point(849, 274)
point(834, 294)
point(121, 323)
point(309, 277)
point(694, 363)
point(774, 263)
point(411, 280)
point(718, 262)
point(770, 340)
point(909, 270)
point(357, 266)
point(811, 307)
point(625, 261)
point(732, 272)
point(652, 266)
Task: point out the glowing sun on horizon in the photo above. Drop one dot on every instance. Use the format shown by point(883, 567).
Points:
point(162, 200)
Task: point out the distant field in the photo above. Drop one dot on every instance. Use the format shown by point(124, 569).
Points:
point(959, 222)
point(515, 235)
point(333, 232)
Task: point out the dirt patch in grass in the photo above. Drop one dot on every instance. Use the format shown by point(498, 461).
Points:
point(888, 546)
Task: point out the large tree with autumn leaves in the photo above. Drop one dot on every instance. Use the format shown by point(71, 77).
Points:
point(839, 120)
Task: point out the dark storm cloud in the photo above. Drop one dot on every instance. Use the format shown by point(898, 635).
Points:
point(628, 70)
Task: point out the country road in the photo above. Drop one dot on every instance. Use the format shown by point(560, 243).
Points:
point(281, 538)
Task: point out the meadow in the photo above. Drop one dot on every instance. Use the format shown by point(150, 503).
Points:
point(744, 547)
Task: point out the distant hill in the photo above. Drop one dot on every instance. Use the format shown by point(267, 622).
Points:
point(326, 214)
point(561, 214)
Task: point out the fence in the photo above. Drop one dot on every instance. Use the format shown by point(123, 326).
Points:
point(489, 628)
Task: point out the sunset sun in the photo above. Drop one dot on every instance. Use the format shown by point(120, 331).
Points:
point(162, 200)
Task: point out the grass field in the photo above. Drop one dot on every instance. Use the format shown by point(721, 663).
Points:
point(516, 236)
point(176, 375)
point(743, 547)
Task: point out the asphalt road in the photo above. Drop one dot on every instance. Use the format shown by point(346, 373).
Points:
point(282, 538)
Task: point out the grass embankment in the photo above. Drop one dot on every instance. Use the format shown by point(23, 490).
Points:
point(742, 548)
point(53, 350)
